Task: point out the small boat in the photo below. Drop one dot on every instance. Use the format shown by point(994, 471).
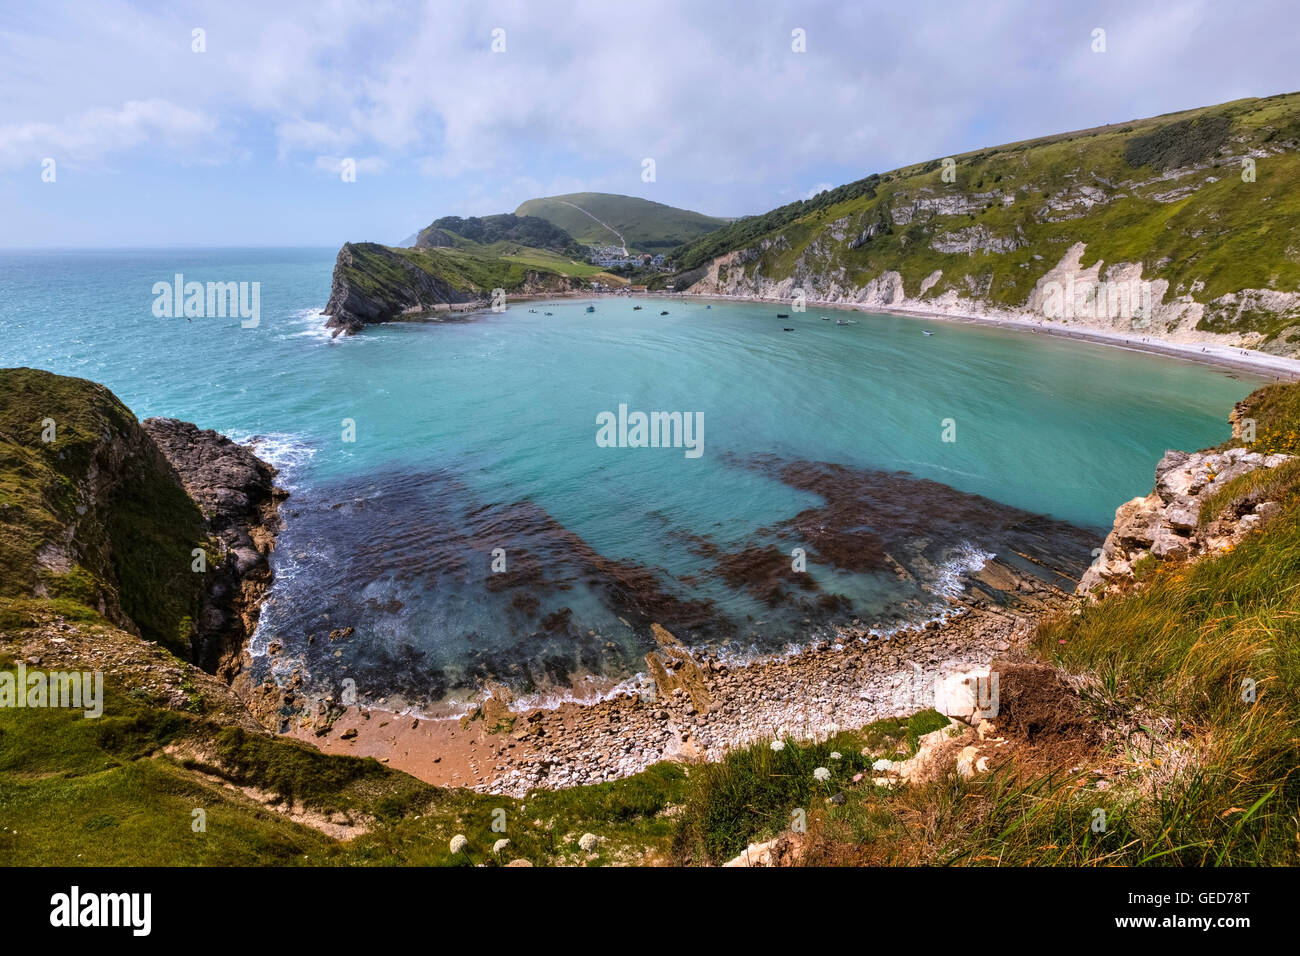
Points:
point(708, 306)
point(926, 332)
point(783, 315)
point(550, 313)
point(591, 308)
point(636, 308)
point(787, 330)
point(826, 318)
point(532, 310)
point(665, 312)
point(845, 322)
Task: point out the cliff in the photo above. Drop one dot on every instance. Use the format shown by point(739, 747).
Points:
point(1182, 227)
point(162, 529)
point(374, 283)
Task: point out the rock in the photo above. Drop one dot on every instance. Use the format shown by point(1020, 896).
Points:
point(966, 762)
point(1184, 514)
point(1136, 522)
point(236, 493)
point(1171, 546)
point(958, 695)
point(1166, 525)
point(1172, 479)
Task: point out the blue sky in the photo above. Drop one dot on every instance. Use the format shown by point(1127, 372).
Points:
point(157, 145)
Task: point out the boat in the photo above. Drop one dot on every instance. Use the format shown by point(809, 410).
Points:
point(550, 313)
point(783, 315)
point(826, 318)
point(708, 306)
point(636, 308)
point(926, 332)
point(787, 330)
point(591, 308)
point(664, 312)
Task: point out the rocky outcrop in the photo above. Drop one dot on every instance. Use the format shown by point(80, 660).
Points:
point(374, 283)
point(235, 490)
point(1168, 525)
point(162, 529)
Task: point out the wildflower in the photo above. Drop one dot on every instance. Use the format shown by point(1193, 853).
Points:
point(857, 778)
point(835, 755)
point(458, 843)
point(777, 746)
point(500, 845)
point(588, 842)
point(822, 774)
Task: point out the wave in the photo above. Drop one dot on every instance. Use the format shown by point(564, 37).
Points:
point(287, 452)
point(952, 573)
point(308, 323)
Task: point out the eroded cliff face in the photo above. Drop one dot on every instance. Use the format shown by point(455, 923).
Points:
point(1108, 298)
point(236, 492)
point(374, 283)
point(163, 529)
point(1176, 230)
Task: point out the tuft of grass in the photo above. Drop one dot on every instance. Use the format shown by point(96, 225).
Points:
point(756, 791)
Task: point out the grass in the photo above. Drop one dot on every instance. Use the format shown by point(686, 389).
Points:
point(756, 791)
point(122, 790)
point(134, 536)
point(645, 226)
point(1226, 237)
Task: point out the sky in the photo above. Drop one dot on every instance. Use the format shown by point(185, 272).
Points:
point(232, 123)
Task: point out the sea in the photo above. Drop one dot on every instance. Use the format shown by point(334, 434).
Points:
point(516, 497)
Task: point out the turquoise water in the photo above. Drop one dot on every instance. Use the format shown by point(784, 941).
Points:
point(477, 435)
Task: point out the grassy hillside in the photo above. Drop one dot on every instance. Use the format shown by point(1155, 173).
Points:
point(529, 231)
point(93, 521)
point(643, 225)
point(1165, 192)
point(482, 268)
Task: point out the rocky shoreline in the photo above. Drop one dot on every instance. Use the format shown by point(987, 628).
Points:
point(692, 704)
point(237, 494)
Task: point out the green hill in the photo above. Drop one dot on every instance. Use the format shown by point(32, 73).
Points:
point(530, 231)
point(1198, 207)
point(608, 219)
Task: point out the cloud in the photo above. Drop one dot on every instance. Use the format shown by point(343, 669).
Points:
point(91, 135)
point(310, 136)
point(734, 118)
